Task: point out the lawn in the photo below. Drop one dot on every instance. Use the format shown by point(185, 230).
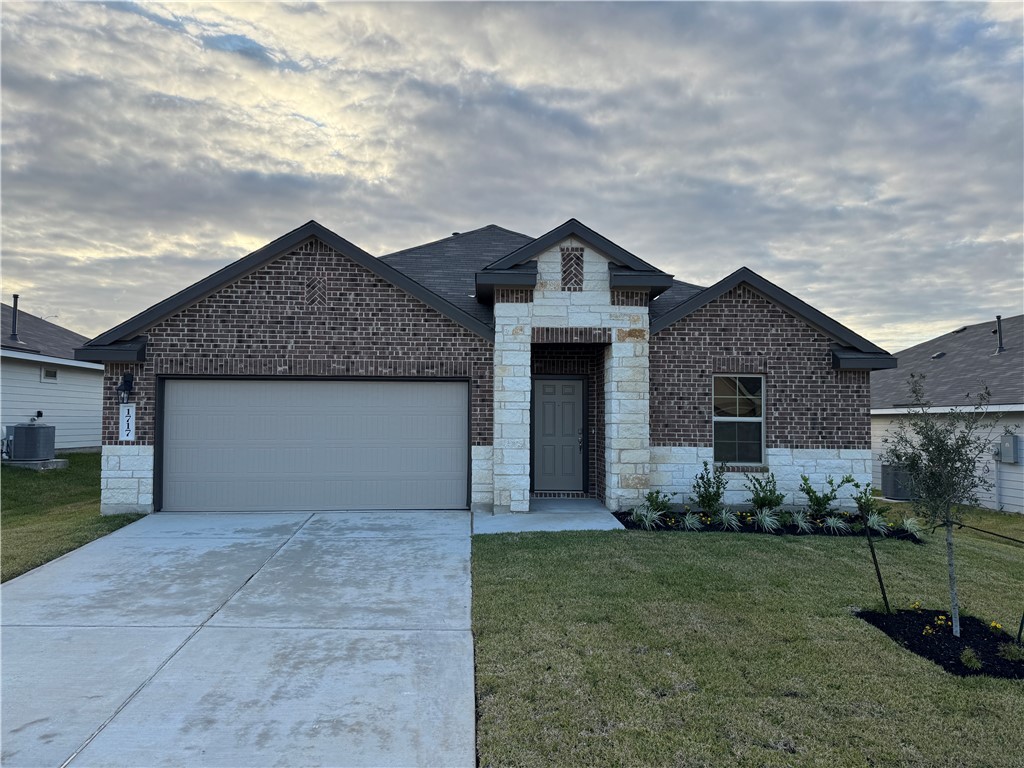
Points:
point(631, 648)
point(46, 514)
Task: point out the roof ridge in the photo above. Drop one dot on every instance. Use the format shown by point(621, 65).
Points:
point(957, 332)
point(452, 237)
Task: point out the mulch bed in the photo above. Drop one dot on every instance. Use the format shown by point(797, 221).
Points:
point(908, 629)
point(786, 530)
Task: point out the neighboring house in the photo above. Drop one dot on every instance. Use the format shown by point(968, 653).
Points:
point(39, 373)
point(957, 366)
point(482, 369)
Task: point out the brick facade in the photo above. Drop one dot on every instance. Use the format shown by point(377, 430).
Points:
point(312, 312)
point(808, 404)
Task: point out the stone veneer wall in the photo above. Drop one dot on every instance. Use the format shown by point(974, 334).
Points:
point(817, 419)
point(311, 312)
point(626, 448)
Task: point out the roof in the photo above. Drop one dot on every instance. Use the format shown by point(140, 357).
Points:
point(444, 275)
point(957, 363)
point(447, 267)
point(39, 336)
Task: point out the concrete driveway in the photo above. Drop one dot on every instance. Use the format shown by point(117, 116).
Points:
point(305, 639)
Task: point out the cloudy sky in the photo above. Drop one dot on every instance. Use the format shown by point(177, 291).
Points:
point(866, 157)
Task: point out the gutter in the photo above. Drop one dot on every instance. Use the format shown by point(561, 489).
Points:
point(51, 360)
point(1007, 408)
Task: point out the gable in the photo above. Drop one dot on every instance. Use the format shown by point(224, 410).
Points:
point(113, 345)
point(849, 350)
point(308, 304)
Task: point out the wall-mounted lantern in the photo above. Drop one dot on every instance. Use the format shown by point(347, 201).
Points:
point(124, 389)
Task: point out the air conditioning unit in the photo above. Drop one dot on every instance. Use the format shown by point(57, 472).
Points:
point(895, 483)
point(32, 442)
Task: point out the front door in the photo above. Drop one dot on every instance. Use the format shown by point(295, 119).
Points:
point(558, 435)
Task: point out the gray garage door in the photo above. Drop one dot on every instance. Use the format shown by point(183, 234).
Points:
point(314, 445)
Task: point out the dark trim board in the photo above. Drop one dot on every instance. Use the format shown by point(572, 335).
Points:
point(160, 412)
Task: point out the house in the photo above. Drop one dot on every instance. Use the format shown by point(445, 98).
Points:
point(957, 366)
point(39, 374)
point(480, 370)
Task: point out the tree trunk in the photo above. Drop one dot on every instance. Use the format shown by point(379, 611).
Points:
point(953, 600)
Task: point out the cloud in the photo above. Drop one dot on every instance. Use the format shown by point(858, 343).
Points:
point(867, 157)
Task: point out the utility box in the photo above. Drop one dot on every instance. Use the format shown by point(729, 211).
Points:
point(1008, 449)
point(895, 483)
point(33, 442)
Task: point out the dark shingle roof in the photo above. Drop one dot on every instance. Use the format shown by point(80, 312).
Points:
point(677, 294)
point(964, 364)
point(448, 267)
point(38, 335)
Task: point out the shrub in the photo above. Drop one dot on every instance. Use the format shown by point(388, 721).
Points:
point(764, 493)
point(651, 513)
point(691, 521)
point(801, 520)
point(835, 525)
point(727, 520)
point(658, 500)
point(646, 517)
point(766, 520)
point(820, 503)
point(877, 523)
point(970, 659)
point(1011, 651)
point(872, 511)
point(912, 526)
point(709, 489)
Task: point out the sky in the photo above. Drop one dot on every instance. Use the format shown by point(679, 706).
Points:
point(866, 157)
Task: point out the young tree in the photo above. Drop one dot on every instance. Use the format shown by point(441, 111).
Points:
point(940, 454)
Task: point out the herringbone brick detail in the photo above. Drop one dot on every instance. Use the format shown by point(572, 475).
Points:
point(572, 268)
point(316, 291)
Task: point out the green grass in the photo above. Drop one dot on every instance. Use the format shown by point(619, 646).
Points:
point(675, 649)
point(44, 515)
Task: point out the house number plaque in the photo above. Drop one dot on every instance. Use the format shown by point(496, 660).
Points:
point(127, 421)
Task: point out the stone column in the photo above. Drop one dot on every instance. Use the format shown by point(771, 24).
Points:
point(512, 382)
point(627, 414)
point(126, 479)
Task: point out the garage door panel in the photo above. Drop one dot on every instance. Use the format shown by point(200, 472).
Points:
point(317, 445)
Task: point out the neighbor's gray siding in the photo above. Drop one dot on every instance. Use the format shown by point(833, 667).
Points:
point(1007, 492)
point(72, 404)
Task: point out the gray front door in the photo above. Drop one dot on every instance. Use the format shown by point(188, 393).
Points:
point(557, 435)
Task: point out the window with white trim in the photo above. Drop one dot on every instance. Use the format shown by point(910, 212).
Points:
point(738, 419)
point(47, 374)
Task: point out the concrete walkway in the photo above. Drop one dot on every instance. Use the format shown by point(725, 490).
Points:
point(338, 639)
point(550, 515)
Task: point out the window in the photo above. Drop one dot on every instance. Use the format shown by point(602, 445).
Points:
point(738, 419)
point(47, 374)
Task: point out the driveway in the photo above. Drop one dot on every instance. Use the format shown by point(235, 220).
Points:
point(278, 639)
